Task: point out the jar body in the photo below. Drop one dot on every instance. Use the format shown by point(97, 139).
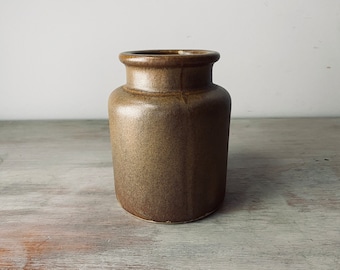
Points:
point(169, 151)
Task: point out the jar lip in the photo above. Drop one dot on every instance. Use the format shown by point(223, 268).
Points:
point(171, 57)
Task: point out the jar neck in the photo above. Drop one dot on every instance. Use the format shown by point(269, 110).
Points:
point(169, 79)
point(169, 70)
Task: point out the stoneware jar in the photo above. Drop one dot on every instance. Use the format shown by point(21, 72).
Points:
point(169, 128)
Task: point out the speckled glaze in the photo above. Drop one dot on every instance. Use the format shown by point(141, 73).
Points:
point(169, 128)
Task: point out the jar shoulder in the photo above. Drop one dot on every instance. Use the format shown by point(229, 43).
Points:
point(213, 95)
point(212, 105)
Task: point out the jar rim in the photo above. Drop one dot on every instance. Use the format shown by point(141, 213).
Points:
point(169, 57)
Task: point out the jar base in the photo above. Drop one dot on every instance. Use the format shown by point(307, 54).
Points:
point(171, 222)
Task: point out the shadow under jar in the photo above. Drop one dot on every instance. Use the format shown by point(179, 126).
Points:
point(169, 128)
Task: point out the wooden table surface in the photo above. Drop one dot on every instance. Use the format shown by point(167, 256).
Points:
point(282, 207)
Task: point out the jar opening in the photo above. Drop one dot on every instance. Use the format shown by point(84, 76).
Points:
point(169, 57)
point(169, 52)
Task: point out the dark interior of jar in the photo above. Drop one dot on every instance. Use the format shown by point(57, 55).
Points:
point(170, 52)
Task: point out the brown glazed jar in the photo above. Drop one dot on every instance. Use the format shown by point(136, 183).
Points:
point(169, 128)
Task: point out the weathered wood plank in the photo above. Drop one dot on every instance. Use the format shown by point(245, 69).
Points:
point(282, 208)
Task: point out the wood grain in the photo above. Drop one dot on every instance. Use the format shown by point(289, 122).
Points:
point(282, 208)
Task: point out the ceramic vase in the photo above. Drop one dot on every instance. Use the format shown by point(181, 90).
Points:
point(169, 129)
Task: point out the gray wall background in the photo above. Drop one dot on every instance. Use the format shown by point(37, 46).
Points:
point(59, 59)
